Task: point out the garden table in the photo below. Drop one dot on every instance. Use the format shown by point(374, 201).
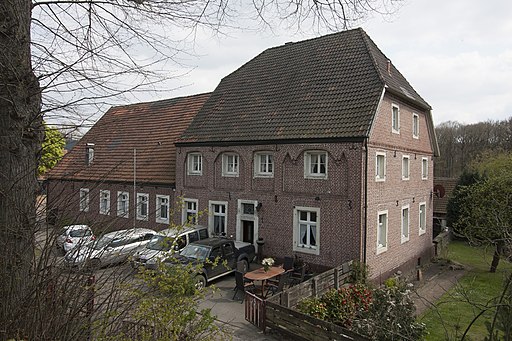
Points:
point(262, 276)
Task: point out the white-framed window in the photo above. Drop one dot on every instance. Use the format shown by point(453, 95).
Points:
point(405, 167)
point(84, 199)
point(382, 231)
point(89, 153)
point(230, 164)
point(162, 209)
point(423, 217)
point(424, 168)
point(189, 211)
point(195, 164)
point(306, 229)
point(380, 167)
point(315, 165)
point(123, 204)
point(415, 126)
point(405, 223)
point(395, 119)
point(263, 165)
point(142, 206)
point(218, 217)
point(104, 202)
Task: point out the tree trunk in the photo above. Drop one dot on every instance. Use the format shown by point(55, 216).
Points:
point(496, 257)
point(20, 141)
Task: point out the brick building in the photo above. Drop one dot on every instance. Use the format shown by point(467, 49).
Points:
point(322, 149)
point(122, 172)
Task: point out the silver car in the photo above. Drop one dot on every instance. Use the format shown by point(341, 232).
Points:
point(111, 248)
point(161, 244)
point(73, 235)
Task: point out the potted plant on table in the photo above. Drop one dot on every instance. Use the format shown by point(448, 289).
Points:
point(267, 263)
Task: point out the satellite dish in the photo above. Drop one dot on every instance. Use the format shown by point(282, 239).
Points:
point(439, 191)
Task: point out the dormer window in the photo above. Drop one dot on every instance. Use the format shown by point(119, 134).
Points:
point(315, 165)
point(89, 153)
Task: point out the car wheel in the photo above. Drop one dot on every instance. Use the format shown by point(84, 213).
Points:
point(200, 282)
point(245, 265)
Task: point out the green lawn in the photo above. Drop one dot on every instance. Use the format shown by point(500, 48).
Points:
point(475, 291)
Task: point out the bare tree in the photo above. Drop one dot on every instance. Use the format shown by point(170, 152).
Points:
point(58, 57)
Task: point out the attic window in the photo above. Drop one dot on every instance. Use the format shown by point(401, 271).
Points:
point(89, 153)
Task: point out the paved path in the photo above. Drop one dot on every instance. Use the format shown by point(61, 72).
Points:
point(437, 280)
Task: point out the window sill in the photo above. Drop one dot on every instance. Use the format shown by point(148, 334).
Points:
point(422, 232)
point(264, 176)
point(195, 174)
point(162, 221)
point(380, 179)
point(381, 250)
point(307, 249)
point(229, 175)
point(315, 177)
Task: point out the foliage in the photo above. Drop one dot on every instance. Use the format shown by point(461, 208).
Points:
point(460, 144)
point(386, 313)
point(359, 272)
point(166, 307)
point(476, 290)
point(52, 149)
point(456, 201)
point(485, 214)
point(391, 316)
point(338, 306)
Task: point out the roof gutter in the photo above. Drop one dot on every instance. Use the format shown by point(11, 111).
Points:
point(365, 208)
point(408, 99)
point(268, 141)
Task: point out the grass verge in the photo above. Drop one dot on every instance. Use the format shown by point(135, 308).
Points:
point(475, 292)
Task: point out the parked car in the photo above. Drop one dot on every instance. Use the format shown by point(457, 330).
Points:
point(111, 248)
point(217, 256)
point(160, 245)
point(73, 235)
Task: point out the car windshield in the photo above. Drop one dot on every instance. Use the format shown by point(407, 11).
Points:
point(80, 233)
point(100, 243)
point(160, 243)
point(198, 252)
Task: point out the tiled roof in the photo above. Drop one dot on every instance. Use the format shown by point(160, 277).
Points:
point(448, 185)
point(327, 87)
point(150, 128)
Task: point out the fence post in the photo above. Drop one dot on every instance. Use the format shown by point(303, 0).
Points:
point(336, 278)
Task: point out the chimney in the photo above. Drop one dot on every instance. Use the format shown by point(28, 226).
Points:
point(389, 67)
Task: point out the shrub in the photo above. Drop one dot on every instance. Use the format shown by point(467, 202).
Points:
point(382, 314)
point(338, 306)
point(391, 315)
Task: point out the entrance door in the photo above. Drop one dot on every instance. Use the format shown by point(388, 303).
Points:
point(247, 221)
point(248, 231)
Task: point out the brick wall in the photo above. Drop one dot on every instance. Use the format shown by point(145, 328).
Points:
point(395, 193)
point(64, 197)
point(338, 197)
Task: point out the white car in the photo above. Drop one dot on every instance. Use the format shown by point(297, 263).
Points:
point(111, 248)
point(73, 235)
point(158, 248)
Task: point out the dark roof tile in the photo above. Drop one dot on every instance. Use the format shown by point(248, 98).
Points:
point(327, 87)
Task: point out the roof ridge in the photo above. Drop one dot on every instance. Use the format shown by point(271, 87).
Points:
point(160, 100)
point(366, 40)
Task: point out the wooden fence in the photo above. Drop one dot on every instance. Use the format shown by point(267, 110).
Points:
point(315, 286)
point(277, 311)
point(304, 327)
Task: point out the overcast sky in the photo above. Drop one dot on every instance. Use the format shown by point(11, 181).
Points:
point(457, 54)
